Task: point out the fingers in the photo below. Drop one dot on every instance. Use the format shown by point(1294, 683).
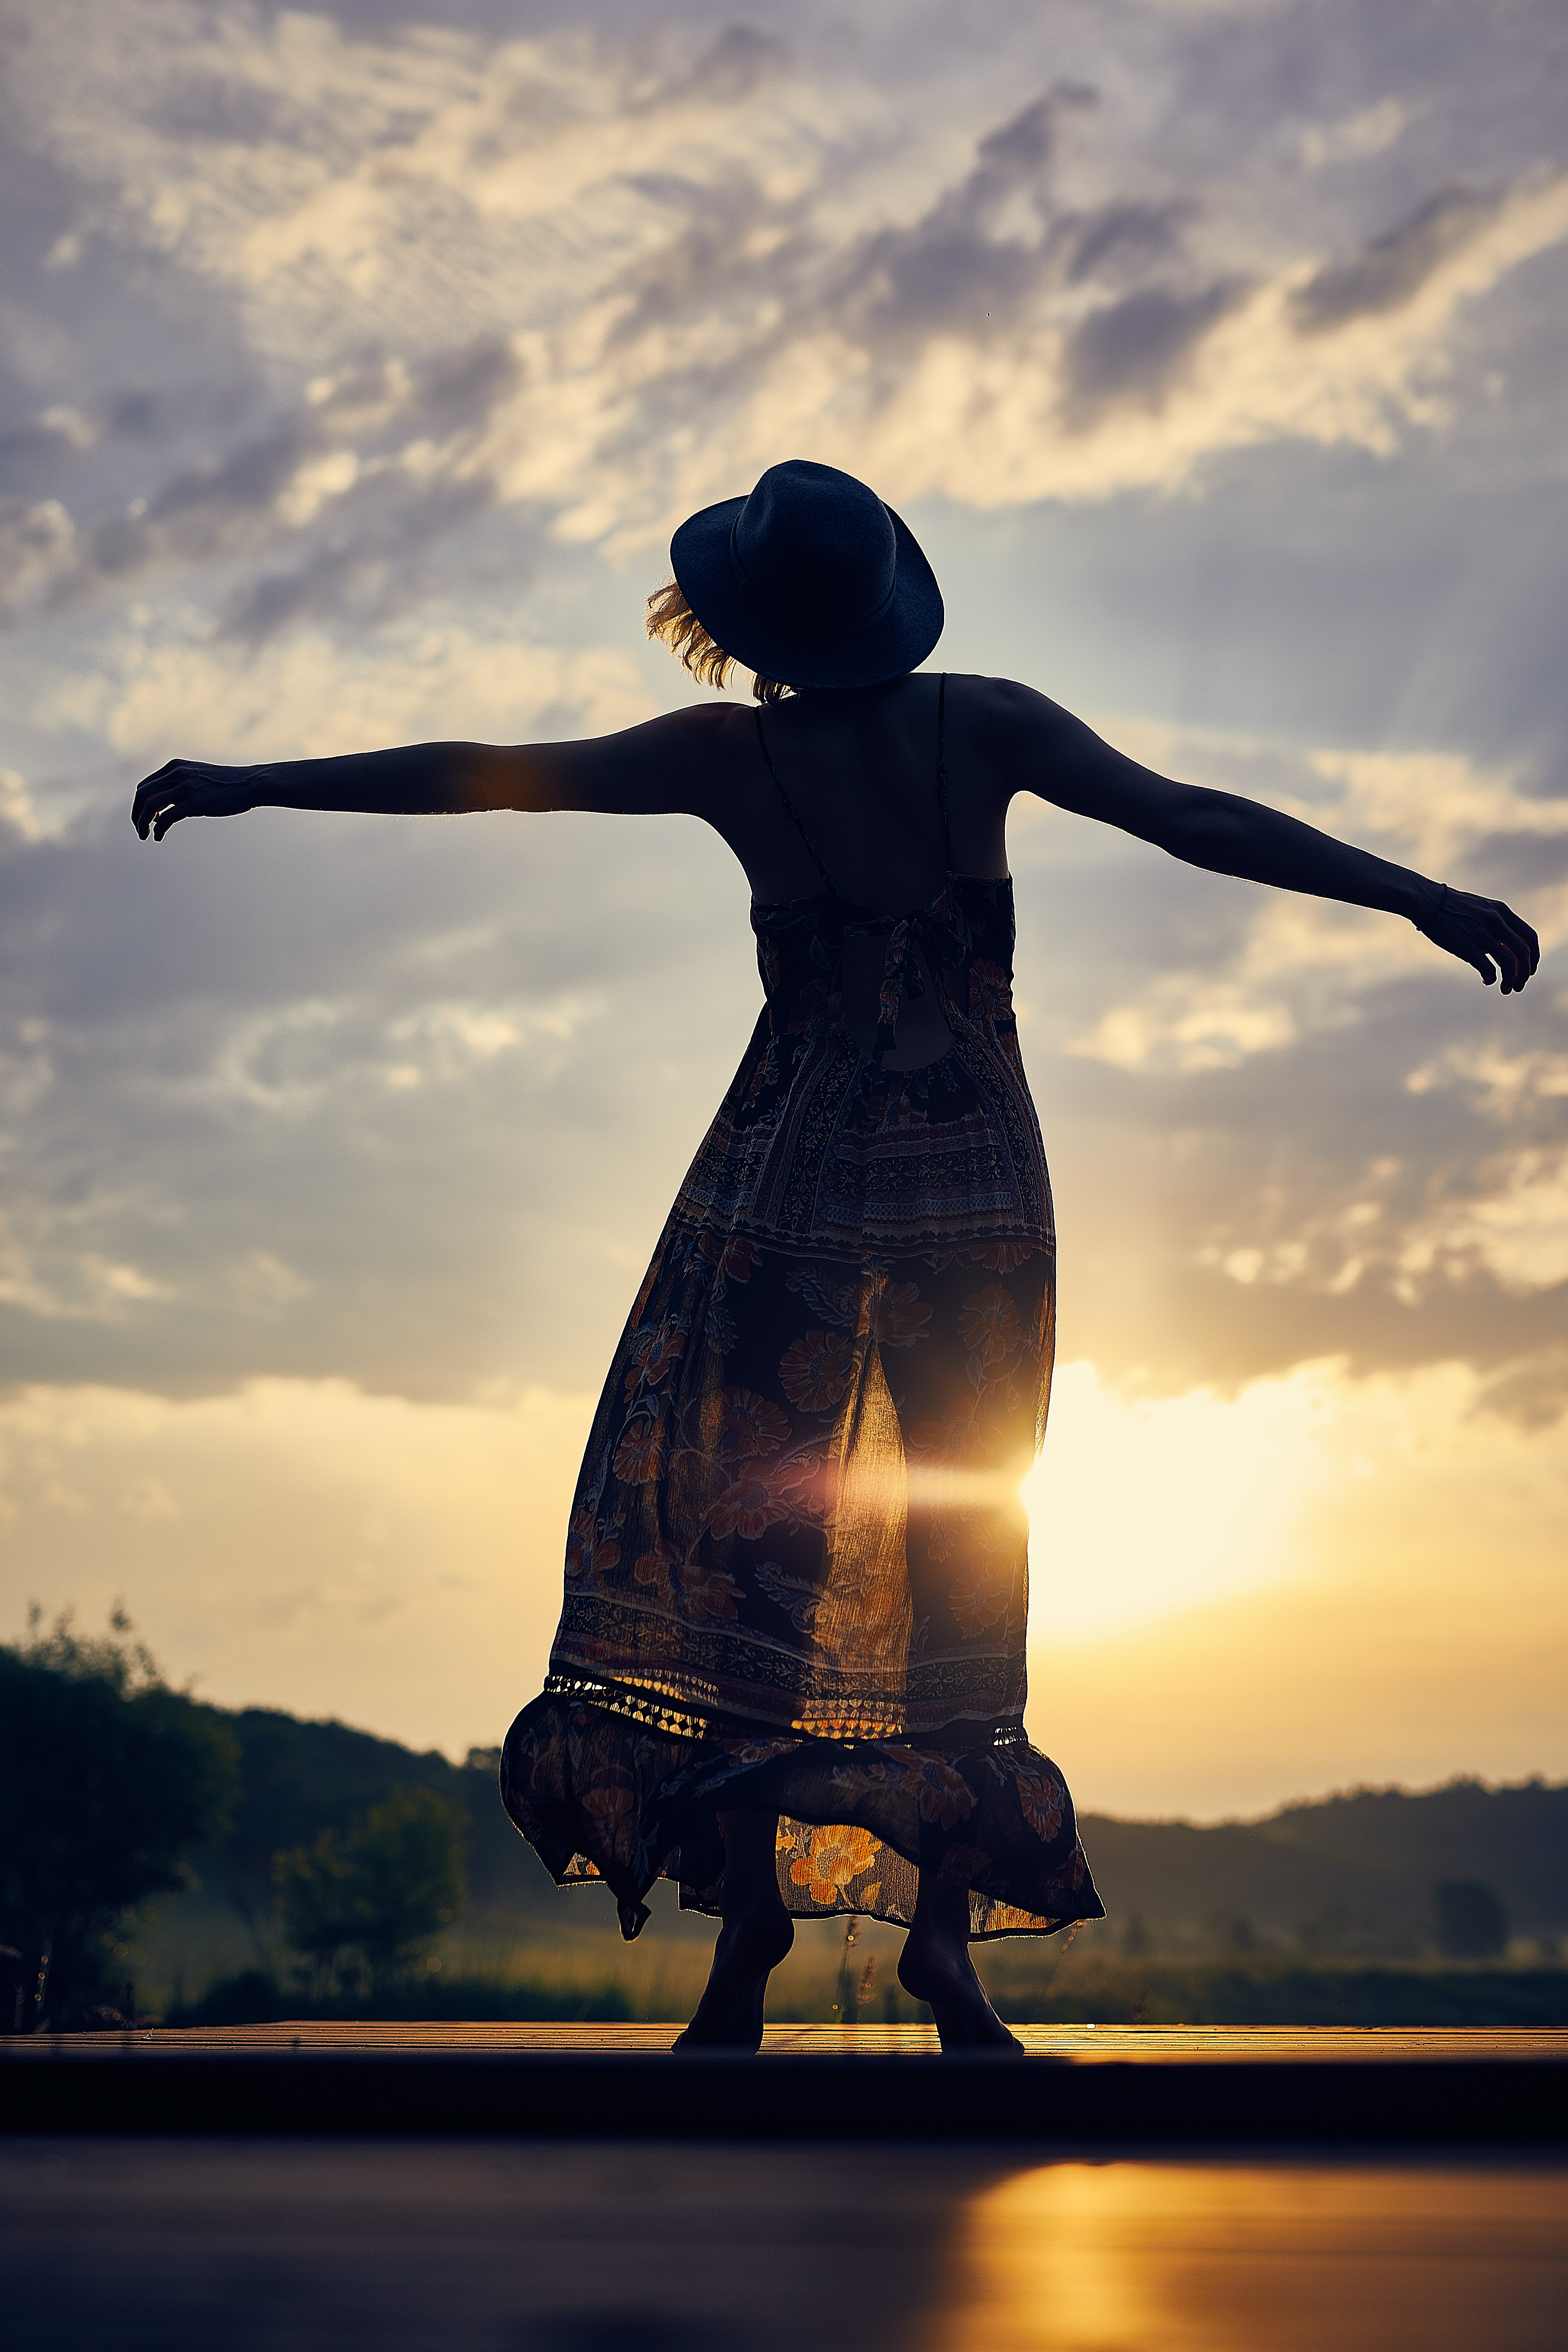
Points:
point(1515, 946)
point(151, 792)
point(1523, 938)
point(163, 798)
point(1509, 961)
point(155, 810)
point(1484, 933)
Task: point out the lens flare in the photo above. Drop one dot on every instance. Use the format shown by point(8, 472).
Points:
point(1136, 1508)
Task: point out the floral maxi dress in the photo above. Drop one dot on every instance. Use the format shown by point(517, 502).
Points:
point(796, 1564)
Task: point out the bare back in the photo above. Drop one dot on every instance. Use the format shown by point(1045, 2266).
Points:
point(857, 803)
point(860, 771)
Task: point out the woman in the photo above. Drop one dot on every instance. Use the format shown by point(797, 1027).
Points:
point(790, 1668)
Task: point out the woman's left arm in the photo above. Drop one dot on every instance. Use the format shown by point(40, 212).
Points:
point(1227, 834)
point(664, 765)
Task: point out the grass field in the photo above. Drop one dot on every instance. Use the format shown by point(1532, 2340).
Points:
point(581, 1969)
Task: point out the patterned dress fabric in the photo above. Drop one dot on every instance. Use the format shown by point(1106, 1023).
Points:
point(797, 1563)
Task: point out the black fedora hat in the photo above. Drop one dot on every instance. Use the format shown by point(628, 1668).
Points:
point(810, 580)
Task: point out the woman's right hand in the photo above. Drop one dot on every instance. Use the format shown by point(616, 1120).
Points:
point(185, 788)
point(1480, 932)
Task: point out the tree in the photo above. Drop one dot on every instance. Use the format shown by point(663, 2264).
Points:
point(365, 1906)
point(1471, 1922)
point(111, 1780)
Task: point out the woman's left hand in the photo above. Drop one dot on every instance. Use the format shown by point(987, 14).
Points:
point(1480, 932)
point(185, 788)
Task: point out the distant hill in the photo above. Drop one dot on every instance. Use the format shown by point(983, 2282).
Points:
point(302, 1778)
point(1353, 1875)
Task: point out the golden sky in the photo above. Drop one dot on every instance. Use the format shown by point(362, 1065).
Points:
point(356, 371)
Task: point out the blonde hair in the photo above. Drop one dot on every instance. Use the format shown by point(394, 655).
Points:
point(671, 620)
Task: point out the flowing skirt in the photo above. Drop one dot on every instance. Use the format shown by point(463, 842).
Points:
point(797, 1582)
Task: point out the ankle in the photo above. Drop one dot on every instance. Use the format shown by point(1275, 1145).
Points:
point(938, 1945)
point(932, 1960)
point(762, 1922)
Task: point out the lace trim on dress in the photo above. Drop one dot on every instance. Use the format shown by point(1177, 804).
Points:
point(647, 1706)
point(644, 1704)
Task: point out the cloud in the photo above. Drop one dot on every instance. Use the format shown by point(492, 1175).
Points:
point(16, 807)
point(1508, 1087)
point(75, 1285)
point(34, 450)
point(962, 267)
point(1514, 1223)
point(1123, 238)
point(1506, 1217)
point(292, 1062)
point(363, 481)
point(1368, 132)
point(1533, 1393)
point(37, 537)
point(1137, 348)
point(664, 270)
point(379, 560)
point(214, 508)
point(1013, 382)
point(1391, 270)
point(307, 694)
point(1435, 807)
point(444, 1040)
point(736, 61)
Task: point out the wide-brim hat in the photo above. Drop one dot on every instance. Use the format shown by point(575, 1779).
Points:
point(812, 580)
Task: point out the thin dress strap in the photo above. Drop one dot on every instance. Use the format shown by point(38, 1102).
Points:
point(793, 813)
point(942, 773)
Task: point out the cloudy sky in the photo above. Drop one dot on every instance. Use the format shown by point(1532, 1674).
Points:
point(354, 368)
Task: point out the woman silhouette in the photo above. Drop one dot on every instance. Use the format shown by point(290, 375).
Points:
point(789, 1667)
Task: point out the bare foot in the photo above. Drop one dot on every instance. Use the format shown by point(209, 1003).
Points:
point(943, 1977)
point(729, 2014)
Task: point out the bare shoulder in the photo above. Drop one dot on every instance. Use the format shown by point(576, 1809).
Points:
point(677, 763)
point(694, 752)
point(1003, 732)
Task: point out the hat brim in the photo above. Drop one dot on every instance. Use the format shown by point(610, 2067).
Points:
point(899, 639)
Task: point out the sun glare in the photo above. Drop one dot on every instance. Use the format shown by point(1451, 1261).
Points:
point(1136, 1508)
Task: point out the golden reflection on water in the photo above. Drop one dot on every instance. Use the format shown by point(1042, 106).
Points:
point(1220, 2258)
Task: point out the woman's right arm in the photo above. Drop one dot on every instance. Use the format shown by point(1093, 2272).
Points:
point(669, 764)
point(1037, 746)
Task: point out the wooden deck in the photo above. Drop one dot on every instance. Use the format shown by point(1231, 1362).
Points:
point(1075, 2084)
point(1080, 2044)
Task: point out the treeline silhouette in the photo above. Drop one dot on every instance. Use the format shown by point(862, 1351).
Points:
point(110, 1780)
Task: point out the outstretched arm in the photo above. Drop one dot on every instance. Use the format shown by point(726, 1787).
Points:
point(666, 764)
point(1066, 763)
